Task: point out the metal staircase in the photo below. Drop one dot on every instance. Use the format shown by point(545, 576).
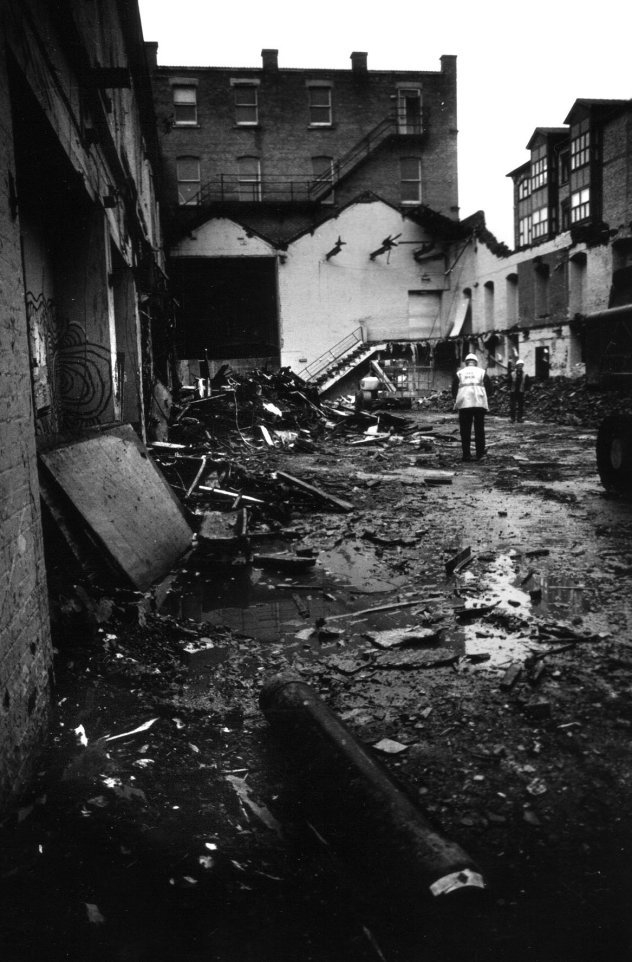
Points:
point(396, 124)
point(339, 361)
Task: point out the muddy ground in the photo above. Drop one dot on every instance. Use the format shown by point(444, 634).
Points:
point(190, 839)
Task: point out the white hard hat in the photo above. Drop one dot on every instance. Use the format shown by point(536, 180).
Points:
point(519, 362)
point(471, 357)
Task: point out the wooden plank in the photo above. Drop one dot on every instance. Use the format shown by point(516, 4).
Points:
point(124, 501)
point(315, 492)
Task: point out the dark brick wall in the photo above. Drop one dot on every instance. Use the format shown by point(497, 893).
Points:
point(543, 286)
point(25, 645)
point(285, 143)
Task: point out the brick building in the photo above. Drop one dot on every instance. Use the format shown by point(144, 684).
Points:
point(572, 263)
point(308, 209)
point(81, 287)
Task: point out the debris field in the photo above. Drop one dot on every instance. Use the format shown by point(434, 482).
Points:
point(462, 631)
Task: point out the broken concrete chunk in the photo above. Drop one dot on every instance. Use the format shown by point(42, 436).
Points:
point(396, 637)
point(511, 676)
point(390, 747)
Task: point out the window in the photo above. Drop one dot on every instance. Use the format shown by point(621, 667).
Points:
point(488, 304)
point(188, 174)
point(580, 205)
point(249, 178)
point(409, 110)
point(410, 168)
point(539, 172)
point(246, 104)
point(565, 212)
point(580, 148)
point(564, 166)
point(524, 188)
point(540, 222)
point(323, 171)
point(319, 99)
point(524, 231)
point(184, 105)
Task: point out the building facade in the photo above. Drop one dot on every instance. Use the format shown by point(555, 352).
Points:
point(307, 206)
point(572, 262)
point(81, 286)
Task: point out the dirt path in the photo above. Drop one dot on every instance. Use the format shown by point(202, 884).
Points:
point(188, 840)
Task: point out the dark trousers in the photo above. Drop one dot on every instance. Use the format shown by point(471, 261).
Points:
point(516, 405)
point(467, 417)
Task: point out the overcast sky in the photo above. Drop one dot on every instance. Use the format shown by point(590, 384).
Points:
point(520, 66)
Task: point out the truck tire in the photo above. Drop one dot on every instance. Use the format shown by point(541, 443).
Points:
point(614, 454)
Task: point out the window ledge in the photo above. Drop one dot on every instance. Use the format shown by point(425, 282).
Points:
point(246, 126)
point(186, 126)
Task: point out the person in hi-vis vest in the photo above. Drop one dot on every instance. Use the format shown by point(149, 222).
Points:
point(470, 389)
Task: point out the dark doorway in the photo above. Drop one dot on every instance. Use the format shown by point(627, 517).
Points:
point(228, 306)
point(542, 363)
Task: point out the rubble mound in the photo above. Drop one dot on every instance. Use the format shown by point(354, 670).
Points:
point(562, 400)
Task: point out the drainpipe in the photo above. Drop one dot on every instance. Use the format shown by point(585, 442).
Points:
point(363, 815)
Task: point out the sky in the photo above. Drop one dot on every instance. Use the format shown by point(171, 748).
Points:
point(519, 66)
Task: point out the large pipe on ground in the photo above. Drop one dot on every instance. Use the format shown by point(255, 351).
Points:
point(358, 808)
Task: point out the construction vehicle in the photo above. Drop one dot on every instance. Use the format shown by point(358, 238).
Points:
point(608, 352)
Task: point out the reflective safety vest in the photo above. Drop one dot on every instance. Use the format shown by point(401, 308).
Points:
point(471, 392)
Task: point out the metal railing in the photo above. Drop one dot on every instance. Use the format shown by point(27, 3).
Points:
point(311, 372)
point(397, 123)
point(229, 187)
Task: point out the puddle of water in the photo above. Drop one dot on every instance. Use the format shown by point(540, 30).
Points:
point(267, 605)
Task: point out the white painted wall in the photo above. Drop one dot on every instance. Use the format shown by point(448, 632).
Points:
point(323, 300)
point(222, 237)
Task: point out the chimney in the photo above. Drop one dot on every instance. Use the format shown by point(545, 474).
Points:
point(358, 62)
point(151, 54)
point(270, 59)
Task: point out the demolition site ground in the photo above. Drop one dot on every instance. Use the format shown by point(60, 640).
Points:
point(469, 623)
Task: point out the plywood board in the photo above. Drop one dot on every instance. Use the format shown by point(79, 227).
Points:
point(124, 501)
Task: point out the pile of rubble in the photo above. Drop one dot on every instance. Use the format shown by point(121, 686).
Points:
point(561, 400)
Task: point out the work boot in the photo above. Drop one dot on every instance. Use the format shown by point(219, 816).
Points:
point(466, 457)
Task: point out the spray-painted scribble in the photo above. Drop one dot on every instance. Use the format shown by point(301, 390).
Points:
point(72, 376)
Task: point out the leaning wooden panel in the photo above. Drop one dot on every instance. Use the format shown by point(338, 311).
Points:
point(124, 500)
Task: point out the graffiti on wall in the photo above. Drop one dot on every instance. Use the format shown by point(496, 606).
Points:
point(72, 376)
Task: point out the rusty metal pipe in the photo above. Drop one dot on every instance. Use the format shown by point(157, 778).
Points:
point(357, 807)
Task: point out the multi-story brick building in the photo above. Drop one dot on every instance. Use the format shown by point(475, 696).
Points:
point(306, 208)
point(80, 275)
point(572, 264)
